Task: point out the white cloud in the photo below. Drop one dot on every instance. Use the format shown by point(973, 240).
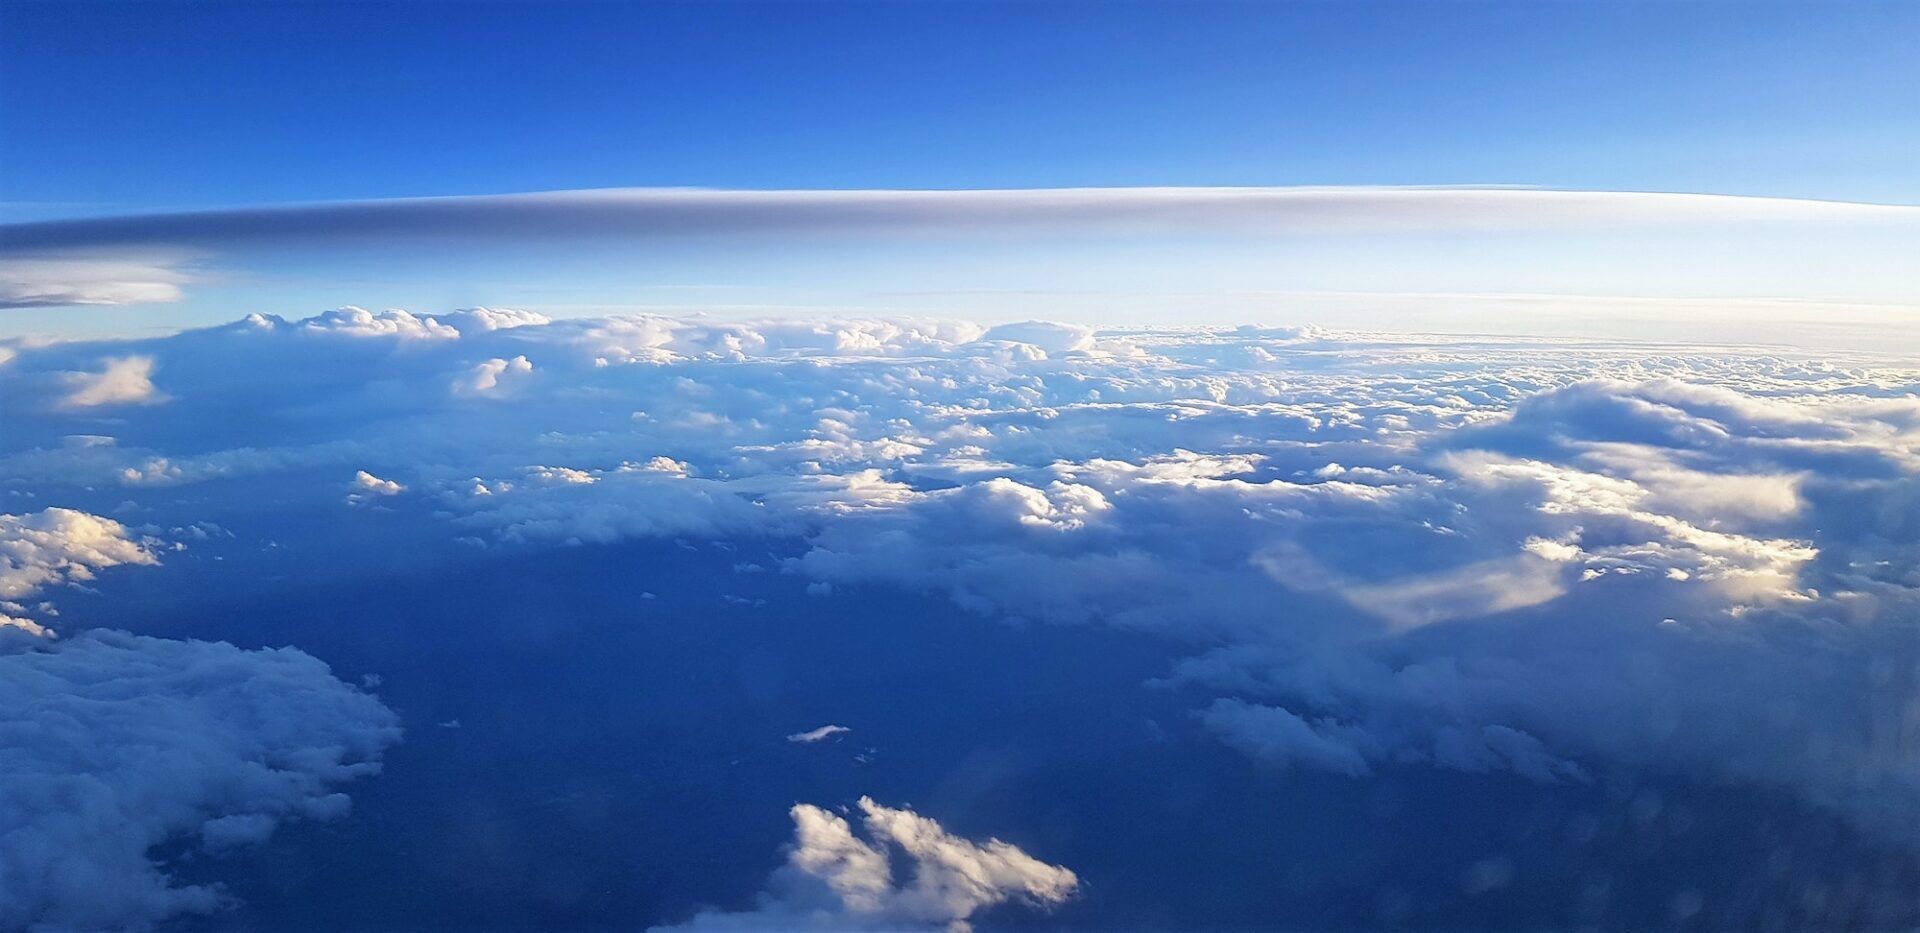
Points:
point(834, 880)
point(117, 743)
point(359, 322)
point(374, 485)
point(492, 378)
point(1047, 336)
point(56, 546)
point(125, 380)
point(367, 487)
point(815, 735)
point(53, 281)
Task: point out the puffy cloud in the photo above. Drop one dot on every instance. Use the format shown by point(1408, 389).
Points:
point(55, 546)
point(481, 320)
point(117, 743)
point(366, 487)
point(374, 485)
point(834, 880)
point(359, 322)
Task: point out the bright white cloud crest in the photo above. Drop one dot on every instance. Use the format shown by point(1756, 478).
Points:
point(834, 880)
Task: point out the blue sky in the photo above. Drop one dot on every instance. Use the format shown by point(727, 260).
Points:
point(138, 107)
point(163, 105)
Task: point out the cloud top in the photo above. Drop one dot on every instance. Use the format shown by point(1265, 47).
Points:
point(835, 880)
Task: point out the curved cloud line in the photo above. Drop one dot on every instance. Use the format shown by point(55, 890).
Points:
point(681, 212)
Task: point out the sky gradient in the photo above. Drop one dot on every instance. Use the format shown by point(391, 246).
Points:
point(107, 113)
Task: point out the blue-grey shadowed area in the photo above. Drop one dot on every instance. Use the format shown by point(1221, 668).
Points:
point(620, 761)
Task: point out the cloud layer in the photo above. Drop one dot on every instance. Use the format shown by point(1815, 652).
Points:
point(145, 258)
point(667, 212)
point(1366, 553)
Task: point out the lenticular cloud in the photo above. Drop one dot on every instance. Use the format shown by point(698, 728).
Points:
point(1364, 552)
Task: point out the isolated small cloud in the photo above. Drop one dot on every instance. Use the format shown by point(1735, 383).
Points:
point(814, 735)
point(366, 487)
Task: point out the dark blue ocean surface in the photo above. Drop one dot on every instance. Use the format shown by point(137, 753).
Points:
point(596, 739)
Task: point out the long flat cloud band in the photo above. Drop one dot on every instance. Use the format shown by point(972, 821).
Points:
point(678, 212)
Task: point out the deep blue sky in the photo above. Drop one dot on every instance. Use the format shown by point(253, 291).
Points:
point(130, 106)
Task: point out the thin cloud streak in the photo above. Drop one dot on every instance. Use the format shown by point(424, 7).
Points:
point(664, 213)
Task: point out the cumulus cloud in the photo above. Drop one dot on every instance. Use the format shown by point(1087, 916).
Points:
point(835, 880)
point(117, 743)
point(367, 487)
point(492, 378)
point(57, 546)
point(359, 322)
